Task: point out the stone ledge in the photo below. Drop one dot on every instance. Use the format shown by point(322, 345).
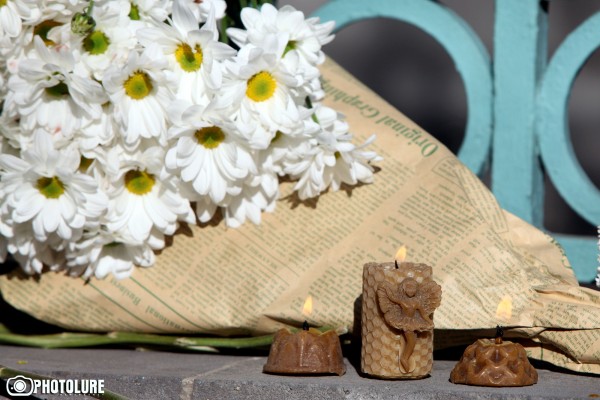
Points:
point(167, 375)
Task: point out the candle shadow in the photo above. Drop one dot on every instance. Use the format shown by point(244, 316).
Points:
point(352, 351)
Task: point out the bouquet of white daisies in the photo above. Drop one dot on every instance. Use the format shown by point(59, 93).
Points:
point(122, 119)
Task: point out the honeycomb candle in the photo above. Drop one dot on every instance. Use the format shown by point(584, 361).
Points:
point(397, 319)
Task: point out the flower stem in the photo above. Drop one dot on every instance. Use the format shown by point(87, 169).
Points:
point(72, 339)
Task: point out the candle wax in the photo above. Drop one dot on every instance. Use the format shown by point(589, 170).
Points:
point(494, 363)
point(305, 352)
point(397, 325)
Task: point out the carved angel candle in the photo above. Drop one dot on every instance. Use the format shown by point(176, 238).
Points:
point(397, 320)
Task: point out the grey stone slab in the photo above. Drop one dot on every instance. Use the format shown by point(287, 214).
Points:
point(167, 375)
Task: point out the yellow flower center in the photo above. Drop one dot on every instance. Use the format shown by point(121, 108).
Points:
point(3, 3)
point(210, 137)
point(188, 59)
point(42, 30)
point(337, 155)
point(261, 86)
point(51, 188)
point(134, 13)
point(96, 43)
point(138, 85)
point(139, 182)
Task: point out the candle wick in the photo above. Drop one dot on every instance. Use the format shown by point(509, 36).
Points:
point(499, 334)
point(305, 326)
point(396, 263)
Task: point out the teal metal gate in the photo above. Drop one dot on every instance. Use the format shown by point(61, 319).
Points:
point(517, 121)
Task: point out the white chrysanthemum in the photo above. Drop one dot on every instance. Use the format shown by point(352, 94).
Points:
point(101, 253)
point(144, 205)
point(109, 43)
point(259, 81)
point(6, 227)
point(96, 133)
point(32, 254)
point(201, 9)
point(334, 160)
point(45, 189)
point(285, 148)
point(194, 54)
point(47, 93)
point(255, 198)
point(3, 78)
point(14, 12)
point(62, 9)
point(208, 154)
point(140, 92)
point(12, 135)
point(148, 11)
point(303, 37)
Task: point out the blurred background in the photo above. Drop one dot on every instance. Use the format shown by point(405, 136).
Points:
point(414, 73)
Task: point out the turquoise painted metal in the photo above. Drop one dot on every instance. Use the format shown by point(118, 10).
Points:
point(519, 57)
point(464, 46)
point(526, 106)
point(552, 132)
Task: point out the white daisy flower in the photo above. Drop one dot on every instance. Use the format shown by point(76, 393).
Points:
point(45, 189)
point(62, 9)
point(47, 93)
point(109, 43)
point(31, 254)
point(97, 133)
point(13, 137)
point(252, 201)
point(209, 154)
point(144, 205)
point(148, 11)
point(93, 177)
point(140, 92)
point(202, 8)
point(14, 12)
point(304, 37)
point(103, 252)
point(261, 84)
point(288, 148)
point(6, 221)
point(334, 160)
point(195, 54)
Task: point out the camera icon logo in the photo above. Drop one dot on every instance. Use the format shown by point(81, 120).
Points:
point(19, 386)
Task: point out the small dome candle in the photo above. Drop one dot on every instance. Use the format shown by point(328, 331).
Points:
point(306, 352)
point(494, 363)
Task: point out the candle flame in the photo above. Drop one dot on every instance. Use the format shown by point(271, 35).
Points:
point(504, 310)
point(401, 254)
point(308, 306)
